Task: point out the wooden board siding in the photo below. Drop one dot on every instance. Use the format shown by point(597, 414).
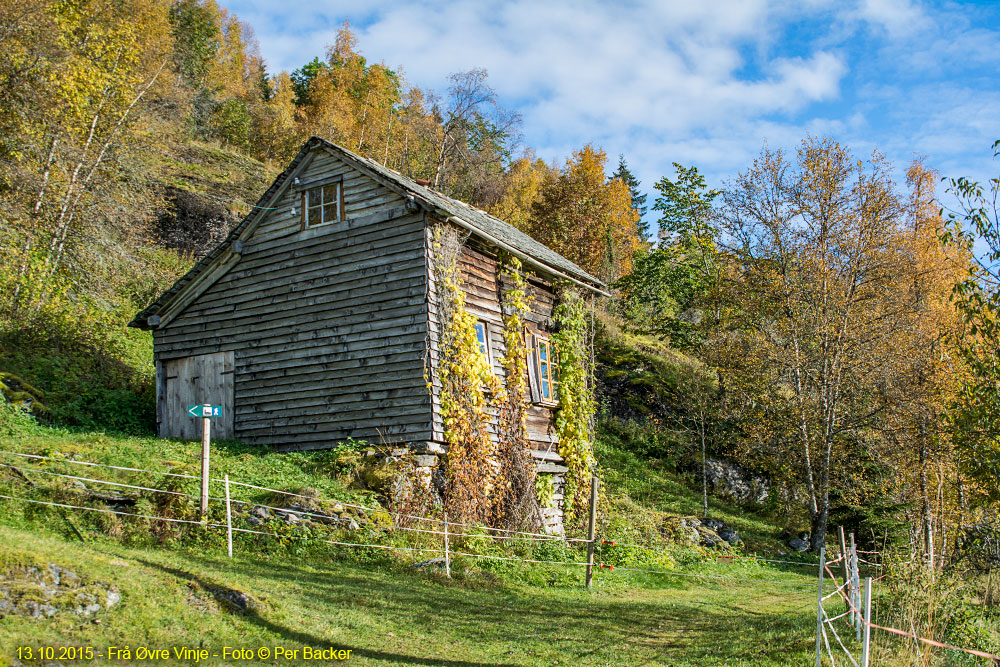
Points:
point(482, 287)
point(328, 325)
point(197, 380)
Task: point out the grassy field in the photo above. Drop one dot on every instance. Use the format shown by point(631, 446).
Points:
point(373, 602)
point(397, 616)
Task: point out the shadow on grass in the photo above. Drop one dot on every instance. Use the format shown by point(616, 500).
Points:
point(748, 624)
point(305, 639)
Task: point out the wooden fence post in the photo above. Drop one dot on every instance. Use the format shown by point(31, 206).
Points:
point(819, 608)
point(866, 646)
point(447, 558)
point(229, 520)
point(206, 435)
point(591, 528)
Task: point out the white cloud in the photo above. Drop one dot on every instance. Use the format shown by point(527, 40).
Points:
point(693, 82)
point(899, 18)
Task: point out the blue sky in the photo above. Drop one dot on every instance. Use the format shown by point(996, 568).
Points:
point(700, 83)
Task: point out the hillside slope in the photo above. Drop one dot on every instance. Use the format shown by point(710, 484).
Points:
point(179, 591)
point(393, 616)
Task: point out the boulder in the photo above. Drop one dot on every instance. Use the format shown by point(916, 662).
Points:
point(709, 538)
point(235, 600)
point(730, 536)
point(712, 524)
point(799, 544)
point(732, 481)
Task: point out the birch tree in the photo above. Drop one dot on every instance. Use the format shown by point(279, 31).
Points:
point(96, 63)
point(815, 249)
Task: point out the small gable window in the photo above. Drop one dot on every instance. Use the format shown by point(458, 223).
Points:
point(483, 339)
point(322, 204)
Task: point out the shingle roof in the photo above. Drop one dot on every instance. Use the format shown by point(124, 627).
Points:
point(481, 220)
point(488, 225)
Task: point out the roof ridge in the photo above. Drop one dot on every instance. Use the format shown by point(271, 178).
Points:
point(487, 224)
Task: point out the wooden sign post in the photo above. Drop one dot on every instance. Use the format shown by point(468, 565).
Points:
point(591, 526)
point(206, 412)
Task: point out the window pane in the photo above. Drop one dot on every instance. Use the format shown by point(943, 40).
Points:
point(330, 193)
point(481, 339)
point(543, 351)
point(315, 196)
point(545, 389)
point(314, 215)
point(329, 212)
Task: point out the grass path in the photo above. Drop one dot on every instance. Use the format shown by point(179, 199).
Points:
point(395, 616)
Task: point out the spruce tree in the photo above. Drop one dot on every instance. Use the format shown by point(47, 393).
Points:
point(638, 198)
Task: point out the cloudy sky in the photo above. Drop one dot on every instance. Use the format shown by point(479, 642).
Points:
point(702, 83)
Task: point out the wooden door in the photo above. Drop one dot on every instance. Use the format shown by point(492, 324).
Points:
point(198, 380)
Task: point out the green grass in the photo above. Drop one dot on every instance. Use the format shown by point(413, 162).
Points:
point(252, 465)
point(655, 490)
point(372, 601)
point(390, 615)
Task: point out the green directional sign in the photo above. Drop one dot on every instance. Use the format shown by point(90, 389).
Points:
point(205, 410)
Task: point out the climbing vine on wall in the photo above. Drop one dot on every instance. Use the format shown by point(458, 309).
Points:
point(492, 479)
point(469, 391)
point(574, 416)
point(518, 505)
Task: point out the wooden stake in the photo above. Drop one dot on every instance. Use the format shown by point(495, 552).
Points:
point(855, 589)
point(844, 565)
point(229, 520)
point(819, 608)
point(206, 435)
point(866, 646)
point(447, 559)
point(592, 528)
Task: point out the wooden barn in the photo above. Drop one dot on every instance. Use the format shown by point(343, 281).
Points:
point(311, 323)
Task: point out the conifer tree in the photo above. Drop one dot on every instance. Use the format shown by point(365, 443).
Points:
point(625, 175)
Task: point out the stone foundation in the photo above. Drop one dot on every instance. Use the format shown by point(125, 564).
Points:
point(427, 459)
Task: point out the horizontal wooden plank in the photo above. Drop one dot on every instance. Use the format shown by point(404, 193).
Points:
point(327, 380)
point(326, 256)
point(389, 415)
point(229, 296)
point(327, 353)
point(343, 294)
point(389, 410)
point(311, 309)
point(352, 232)
point(310, 327)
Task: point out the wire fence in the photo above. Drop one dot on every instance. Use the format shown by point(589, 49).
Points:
point(857, 598)
point(443, 527)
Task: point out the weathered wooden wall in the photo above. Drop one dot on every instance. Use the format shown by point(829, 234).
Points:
point(196, 380)
point(328, 325)
point(481, 284)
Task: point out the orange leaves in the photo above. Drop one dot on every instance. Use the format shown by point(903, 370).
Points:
point(587, 218)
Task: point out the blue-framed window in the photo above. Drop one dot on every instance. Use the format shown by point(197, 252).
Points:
point(548, 382)
point(483, 338)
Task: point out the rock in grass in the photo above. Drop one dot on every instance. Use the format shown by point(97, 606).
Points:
point(44, 591)
point(235, 600)
point(712, 524)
